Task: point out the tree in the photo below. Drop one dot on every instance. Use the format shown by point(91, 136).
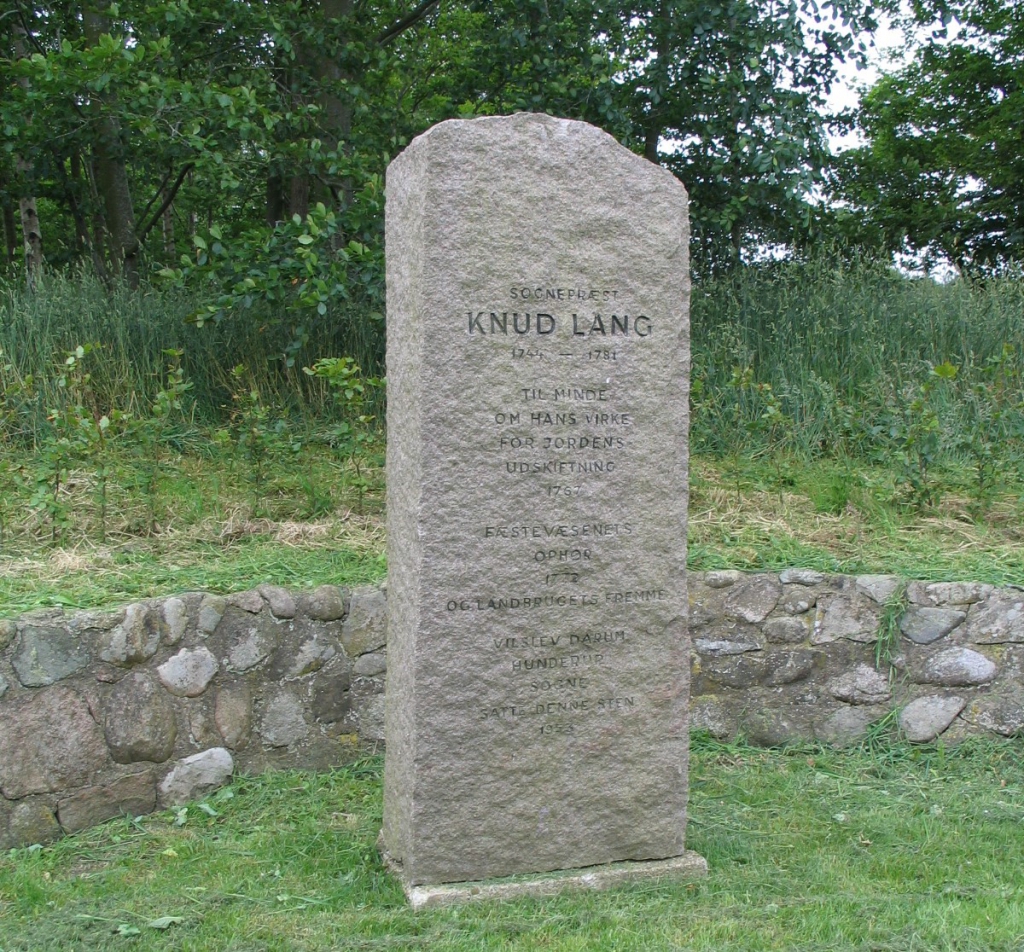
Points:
point(730, 96)
point(942, 173)
point(247, 113)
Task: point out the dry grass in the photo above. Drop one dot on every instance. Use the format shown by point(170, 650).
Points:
point(750, 526)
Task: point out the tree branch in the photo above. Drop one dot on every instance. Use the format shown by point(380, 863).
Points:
point(156, 194)
point(410, 19)
point(145, 229)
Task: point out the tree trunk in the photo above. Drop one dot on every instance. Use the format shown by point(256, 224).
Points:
point(29, 213)
point(31, 233)
point(10, 230)
point(110, 171)
point(335, 112)
point(662, 29)
point(167, 225)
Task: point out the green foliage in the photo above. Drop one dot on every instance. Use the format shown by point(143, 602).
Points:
point(887, 644)
point(823, 359)
point(259, 433)
point(993, 404)
point(731, 98)
point(152, 431)
point(354, 437)
point(942, 173)
point(916, 432)
point(293, 276)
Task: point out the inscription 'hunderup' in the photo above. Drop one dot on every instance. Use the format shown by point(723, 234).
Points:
point(514, 322)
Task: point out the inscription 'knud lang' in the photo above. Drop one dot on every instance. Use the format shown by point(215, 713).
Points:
point(514, 322)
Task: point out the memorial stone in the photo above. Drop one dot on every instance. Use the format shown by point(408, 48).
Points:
point(538, 356)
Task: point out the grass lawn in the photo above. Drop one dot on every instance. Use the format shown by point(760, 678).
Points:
point(875, 848)
point(312, 529)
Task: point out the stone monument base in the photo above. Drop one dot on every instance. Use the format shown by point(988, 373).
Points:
point(688, 866)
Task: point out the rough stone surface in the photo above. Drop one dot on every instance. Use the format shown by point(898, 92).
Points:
point(689, 866)
point(8, 629)
point(719, 648)
point(211, 610)
point(723, 578)
point(47, 652)
point(312, 655)
point(948, 593)
point(92, 623)
point(754, 599)
point(801, 577)
point(997, 620)
point(32, 821)
point(576, 510)
point(777, 691)
point(861, 685)
point(133, 795)
point(326, 603)
point(714, 716)
point(280, 600)
point(879, 588)
point(851, 616)
point(202, 725)
point(847, 725)
point(139, 722)
point(771, 728)
point(957, 667)
point(189, 672)
point(1000, 714)
point(332, 698)
point(927, 717)
point(371, 664)
point(925, 625)
point(137, 638)
point(195, 776)
point(742, 671)
point(789, 667)
point(371, 719)
point(283, 722)
point(49, 742)
point(175, 612)
point(250, 601)
point(786, 631)
point(243, 640)
point(233, 715)
point(365, 628)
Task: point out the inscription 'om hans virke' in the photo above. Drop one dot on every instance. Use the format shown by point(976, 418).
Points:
point(538, 349)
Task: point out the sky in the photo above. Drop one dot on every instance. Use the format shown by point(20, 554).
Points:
point(851, 81)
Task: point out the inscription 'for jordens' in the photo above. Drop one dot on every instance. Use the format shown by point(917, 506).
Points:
point(514, 322)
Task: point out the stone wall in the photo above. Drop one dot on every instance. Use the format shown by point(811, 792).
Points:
point(111, 712)
point(796, 656)
point(125, 711)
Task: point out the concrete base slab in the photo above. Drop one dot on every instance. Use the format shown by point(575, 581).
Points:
point(688, 866)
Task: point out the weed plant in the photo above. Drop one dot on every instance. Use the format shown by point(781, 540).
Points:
point(843, 359)
point(864, 422)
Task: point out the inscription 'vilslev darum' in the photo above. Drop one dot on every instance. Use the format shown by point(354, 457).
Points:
point(538, 656)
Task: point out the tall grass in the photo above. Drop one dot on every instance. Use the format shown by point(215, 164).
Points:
point(819, 357)
point(839, 347)
point(135, 328)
